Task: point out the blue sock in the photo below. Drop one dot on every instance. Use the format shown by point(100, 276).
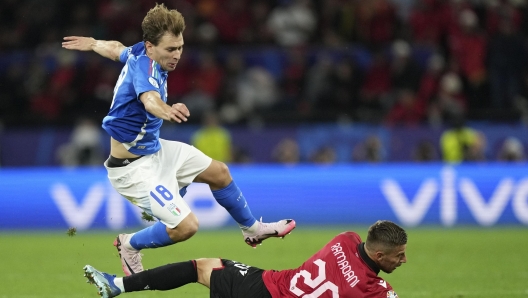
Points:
point(151, 237)
point(231, 198)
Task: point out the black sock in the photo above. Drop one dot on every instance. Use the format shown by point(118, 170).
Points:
point(162, 278)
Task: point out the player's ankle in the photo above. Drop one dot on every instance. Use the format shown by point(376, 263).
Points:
point(252, 229)
point(126, 244)
point(118, 282)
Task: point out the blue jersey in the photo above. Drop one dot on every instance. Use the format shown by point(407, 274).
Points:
point(128, 121)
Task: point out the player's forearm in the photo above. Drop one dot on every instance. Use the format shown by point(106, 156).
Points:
point(155, 106)
point(110, 49)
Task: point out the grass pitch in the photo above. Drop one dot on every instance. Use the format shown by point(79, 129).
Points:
point(452, 263)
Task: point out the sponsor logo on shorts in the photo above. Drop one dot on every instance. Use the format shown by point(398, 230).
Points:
point(174, 209)
point(243, 268)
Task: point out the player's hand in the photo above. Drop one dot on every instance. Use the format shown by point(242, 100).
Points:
point(179, 113)
point(79, 43)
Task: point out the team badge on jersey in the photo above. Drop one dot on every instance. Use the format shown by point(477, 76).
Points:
point(153, 82)
point(392, 294)
point(174, 209)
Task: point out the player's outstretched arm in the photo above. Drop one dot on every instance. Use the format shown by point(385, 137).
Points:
point(110, 49)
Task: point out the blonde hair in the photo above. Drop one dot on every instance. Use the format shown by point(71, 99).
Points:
point(160, 20)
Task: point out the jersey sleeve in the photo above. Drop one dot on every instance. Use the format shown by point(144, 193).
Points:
point(135, 50)
point(145, 77)
point(381, 289)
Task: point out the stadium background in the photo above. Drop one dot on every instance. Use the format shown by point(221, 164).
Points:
point(334, 110)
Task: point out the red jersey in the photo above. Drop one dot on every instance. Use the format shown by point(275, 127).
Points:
point(340, 269)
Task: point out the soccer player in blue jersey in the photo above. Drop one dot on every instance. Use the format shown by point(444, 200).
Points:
point(150, 172)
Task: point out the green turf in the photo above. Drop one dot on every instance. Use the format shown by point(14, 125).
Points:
point(458, 262)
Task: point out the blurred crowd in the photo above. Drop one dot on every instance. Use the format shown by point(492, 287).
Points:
point(434, 63)
point(395, 62)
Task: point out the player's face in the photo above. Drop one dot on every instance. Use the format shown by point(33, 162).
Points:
point(389, 261)
point(168, 51)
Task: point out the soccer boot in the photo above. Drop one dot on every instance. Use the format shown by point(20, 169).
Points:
point(130, 258)
point(103, 281)
point(266, 230)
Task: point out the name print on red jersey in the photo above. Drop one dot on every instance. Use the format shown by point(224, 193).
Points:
point(344, 265)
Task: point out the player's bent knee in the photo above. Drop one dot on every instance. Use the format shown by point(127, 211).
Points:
point(223, 174)
point(204, 267)
point(217, 175)
point(185, 230)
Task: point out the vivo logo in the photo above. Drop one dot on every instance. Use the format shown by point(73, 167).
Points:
point(82, 215)
point(485, 212)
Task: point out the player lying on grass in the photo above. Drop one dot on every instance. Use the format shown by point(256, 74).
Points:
point(344, 267)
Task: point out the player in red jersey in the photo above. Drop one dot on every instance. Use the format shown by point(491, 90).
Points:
point(345, 267)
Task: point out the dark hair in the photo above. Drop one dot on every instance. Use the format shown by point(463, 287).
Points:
point(160, 20)
point(386, 234)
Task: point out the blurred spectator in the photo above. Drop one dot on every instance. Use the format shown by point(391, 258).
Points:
point(424, 151)
point(403, 8)
point(292, 22)
point(377, 82)
point(430, 79)
point(292, 81)
point(405, 72)
point(286, 152)
point(208, 75)
point(318, 81)
point(205, 84)
point(104, 83)
point(342, 95)
point(324, 155)
point(198, 101)
point(477, 150)
point(241, 155)
point(85, 147)
point(337, 21)
point(512, 149)
point(460, 143)
point(450, 101)
point(232, 19)
point(49, 103)
point(227, 101)
point(425, 22)
point(507, 59)
point(349, 33)
point(370, 150)
point(468, 49)
point(212, 139)
point(450, 16)
point(179, 82)
point(258, 31)
point(256, 91)
point(376, 20)
point(407, 110)
point(498, 11)
point(12, 92)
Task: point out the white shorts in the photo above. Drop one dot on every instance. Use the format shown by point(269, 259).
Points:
point(153, 181)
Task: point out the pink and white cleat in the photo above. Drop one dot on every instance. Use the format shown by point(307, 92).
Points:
point(280, 229)
point(130, 258)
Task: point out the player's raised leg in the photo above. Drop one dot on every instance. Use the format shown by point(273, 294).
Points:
point(229, 196)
